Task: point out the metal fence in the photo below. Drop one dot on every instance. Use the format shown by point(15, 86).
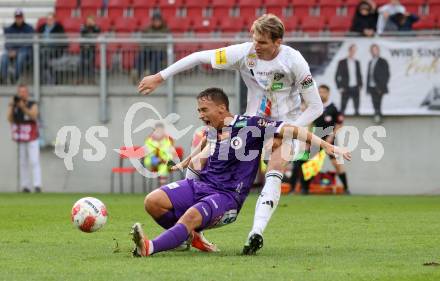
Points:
point(115, 63)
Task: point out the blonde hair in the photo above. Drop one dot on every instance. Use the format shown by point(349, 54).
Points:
point(269, 24)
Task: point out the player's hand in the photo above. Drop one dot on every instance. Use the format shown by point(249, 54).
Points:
point(337, 151)
point(150, 83)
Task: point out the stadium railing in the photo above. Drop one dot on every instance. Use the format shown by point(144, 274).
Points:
point(114, 64)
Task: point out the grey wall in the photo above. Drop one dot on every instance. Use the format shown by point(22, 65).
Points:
point(409, 165)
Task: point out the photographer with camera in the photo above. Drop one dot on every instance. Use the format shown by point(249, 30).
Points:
point(23, 114)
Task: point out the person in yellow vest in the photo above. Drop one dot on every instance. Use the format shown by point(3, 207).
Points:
point(159, 148)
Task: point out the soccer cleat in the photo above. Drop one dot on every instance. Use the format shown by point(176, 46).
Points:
point(201, 243)
point(140, 240)
point(254, 243)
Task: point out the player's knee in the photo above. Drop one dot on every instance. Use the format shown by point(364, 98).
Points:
point(151, 204)
point(192, 219)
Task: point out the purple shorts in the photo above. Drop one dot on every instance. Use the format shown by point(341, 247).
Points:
point(217, 209)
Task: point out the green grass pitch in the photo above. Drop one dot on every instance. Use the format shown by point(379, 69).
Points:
point(309, 238)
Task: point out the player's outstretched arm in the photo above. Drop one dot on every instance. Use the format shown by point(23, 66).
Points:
point(151, 82)
point(187, 161)
point(290, 131)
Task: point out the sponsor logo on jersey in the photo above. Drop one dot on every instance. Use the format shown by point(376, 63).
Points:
point(266, 123)
point(278, 76)
point(220, 56)
point(236, 142)
point(307, 82)
point(265, 73)
point(328, 118)
point(240, 124)
point(277, 86)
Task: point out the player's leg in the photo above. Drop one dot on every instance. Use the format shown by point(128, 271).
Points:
point(269, 197)
point(340, 170)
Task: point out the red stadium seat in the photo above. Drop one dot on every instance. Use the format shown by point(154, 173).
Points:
point(290, 24)
point(434, 9)
point(135, 152)
point(126, 25)
point(413, 2)
point(129, 51)
point(142, 8)
point(144, 23)
point(312, 24)
point(328, 8)
point(204, 25)
point(250, 3)
point(301, 8)
point(179, 24)
point(72, 25)
point(103, 23)
point(40, 22)
point(90, 7)
point(168, 3)
point(197, 3)
point(276, 6)
point(222, 9)
point(233, 24)
point(169, 8)
point(339, 23)
point(116, 8)
point(64, 8)
point(249, 13)
point(426, 23)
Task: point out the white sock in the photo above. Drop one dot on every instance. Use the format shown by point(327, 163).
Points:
point(191, 174)
point(267, 201)
point(150, 247)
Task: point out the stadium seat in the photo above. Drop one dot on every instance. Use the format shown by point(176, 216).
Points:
point(301, 8)
point(143, 8)
point(72, 25)
point(328, 8)
point(90, 7)
point(64, 8)
point(103, 23)
point(178, 24)
point(116, 8)
point(313, 24)
point(129, 52)
point(339, 23)
point(222, 9)
point(276, 6)
point(126, 25)
point(290, 24)
point(426, 23)
point(204, 25)
point(144, 23)
point(40, 22)
point(135, 152)
point(232, 25)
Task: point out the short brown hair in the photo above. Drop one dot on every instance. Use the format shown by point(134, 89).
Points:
point(325, 87)
point(217, 95)
point(269, 24)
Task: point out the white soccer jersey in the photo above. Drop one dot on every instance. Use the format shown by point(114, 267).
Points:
point(273, 86)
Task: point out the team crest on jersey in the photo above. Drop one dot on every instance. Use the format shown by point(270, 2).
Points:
point(278, 76)
point(328, 118)
point(307, 82)
point(236, 142)
point(251, 60)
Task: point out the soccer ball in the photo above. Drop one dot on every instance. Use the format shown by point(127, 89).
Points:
point(89, 214)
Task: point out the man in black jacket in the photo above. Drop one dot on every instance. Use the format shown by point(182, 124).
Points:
point(349, 80)
point(378, 76)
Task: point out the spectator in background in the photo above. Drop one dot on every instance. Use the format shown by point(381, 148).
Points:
point(87, 50)
point(159, 152)
point(349, 79)
point(386, 11)
point(365, 19)
point(401, 22)
point(378, 76)
point(20, 53)
point(23, 114)
point(152, 56)
point(50, 51)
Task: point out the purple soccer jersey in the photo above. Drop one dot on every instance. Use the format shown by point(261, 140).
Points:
point(233, 161)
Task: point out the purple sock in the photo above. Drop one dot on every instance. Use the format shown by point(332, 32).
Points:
point(170, 239)
point(167, 220)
